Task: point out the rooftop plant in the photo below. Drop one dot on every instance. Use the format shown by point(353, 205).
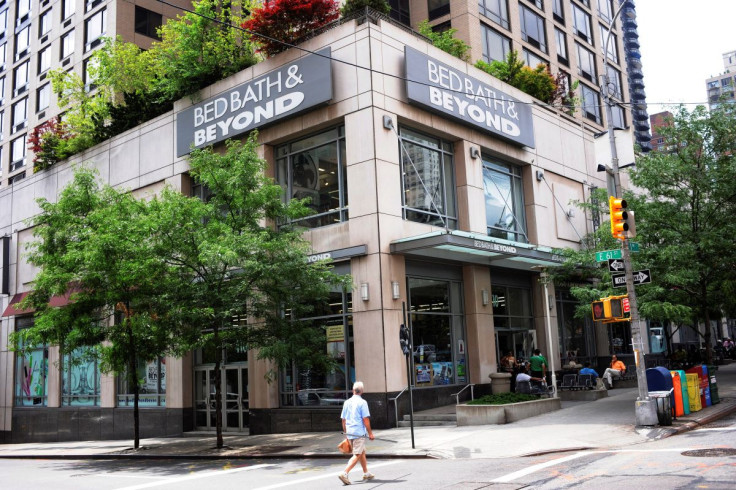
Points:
point(445, 40)
point(354, 6)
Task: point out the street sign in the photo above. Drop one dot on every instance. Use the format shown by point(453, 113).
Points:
point(615, 265)
point(640, 277)
point(608, 254)
point(633, 246)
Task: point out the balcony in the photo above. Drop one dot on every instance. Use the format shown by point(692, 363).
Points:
point(638, 94)
point(641, 115)
point(636, 84)
point(642, 126)
point(632, 43)
point(635, 72)
point(630, 23)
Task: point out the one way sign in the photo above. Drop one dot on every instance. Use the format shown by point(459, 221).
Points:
point(615, 265)
point(640, 277)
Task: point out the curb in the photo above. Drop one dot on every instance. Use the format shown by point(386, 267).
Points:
point(205, 457)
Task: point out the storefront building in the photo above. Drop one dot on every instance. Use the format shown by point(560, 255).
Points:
point(447, 193)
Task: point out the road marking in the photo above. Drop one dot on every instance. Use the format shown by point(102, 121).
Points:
point(527, 471)
point(314, 478)
point(204, 474)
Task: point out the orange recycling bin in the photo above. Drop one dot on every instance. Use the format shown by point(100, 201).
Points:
point(693, 391)
point(683, 383)
point(677, 392)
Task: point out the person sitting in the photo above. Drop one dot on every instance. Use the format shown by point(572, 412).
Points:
point(524, 375)
point(536, 384)
point(589, 370)
point(617, 368)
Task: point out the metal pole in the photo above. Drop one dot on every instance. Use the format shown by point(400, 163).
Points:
point(545, 280)
point(408, 372)
point(646, 410)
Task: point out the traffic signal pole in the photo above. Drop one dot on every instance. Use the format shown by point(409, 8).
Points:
point(645, 407)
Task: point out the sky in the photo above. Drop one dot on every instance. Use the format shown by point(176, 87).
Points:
point(682, 43)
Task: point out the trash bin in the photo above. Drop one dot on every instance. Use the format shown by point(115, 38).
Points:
point(714, 398)
point(664, 406)
point(685, 393)
point(693, 392)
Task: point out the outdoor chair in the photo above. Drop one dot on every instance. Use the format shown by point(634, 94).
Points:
point(586, 381)
point(569, 381)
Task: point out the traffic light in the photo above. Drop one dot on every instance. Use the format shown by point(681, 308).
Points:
point(609, 309)
point(619, 217)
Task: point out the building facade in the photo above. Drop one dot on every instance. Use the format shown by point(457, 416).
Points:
point(435, 186)
point(720, 87)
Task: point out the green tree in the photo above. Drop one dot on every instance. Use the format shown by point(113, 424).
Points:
point(445, 40)
point(234, 262)
point(537, 82)
point(355, 6)
point(97, 242)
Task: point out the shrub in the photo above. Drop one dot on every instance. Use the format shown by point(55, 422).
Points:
point(48, 144)
point(281, 23)
point(353, 6)
point(503, 399)
point(445, 40)
point(537, 82)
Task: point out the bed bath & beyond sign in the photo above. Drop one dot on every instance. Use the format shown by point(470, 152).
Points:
point(280, 93)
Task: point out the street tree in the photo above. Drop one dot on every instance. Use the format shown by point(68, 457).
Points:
point(244, 281)
point(95, 244)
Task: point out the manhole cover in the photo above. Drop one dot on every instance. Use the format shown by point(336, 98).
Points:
point(711, 453)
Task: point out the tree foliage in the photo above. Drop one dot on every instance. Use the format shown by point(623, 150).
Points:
point(278, 24)
point(356, 6)
point(48, 144)
point(537, 82)
point(445, 40)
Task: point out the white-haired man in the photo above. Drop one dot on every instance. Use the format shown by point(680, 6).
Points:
point(356, 425)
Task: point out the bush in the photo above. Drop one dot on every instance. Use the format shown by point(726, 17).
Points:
point(503, 399)
point(537, 82)
point(279, 24)
point(48, 144)
point(445, 40)
point(353, 6)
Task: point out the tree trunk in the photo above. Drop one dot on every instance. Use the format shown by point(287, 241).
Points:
point(133, 381)
point(218, 391)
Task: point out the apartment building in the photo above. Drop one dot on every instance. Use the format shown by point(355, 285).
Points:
point(721, 87)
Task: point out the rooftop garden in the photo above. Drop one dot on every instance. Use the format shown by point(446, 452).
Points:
point(198, 48)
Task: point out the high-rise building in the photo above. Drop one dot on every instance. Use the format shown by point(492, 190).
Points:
point(657, 121)
point(39, 36)
point(720, 87)
point(635, 76)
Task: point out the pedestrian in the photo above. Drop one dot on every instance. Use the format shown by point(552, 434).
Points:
point(356, 425)
point(538, 365)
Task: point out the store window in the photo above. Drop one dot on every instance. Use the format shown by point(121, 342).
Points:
point(591, 103)
point(94, 29)
point(428, 180)
point(32, 365)
point(152, 391)
point(314, 168)
point(496, 47)
point(496, 10)
point(305, 386)
point(619, 338)
point(502, 184)
point(513, 321)
point(586, 64)
point(438, 335)
point(80, 376)
point(438, 8)
point(612, 44)
point(582, 24)
point(532, 28)
point(574, 334)
point(147, 22)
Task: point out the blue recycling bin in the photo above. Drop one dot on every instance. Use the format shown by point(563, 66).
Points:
point(659, 383)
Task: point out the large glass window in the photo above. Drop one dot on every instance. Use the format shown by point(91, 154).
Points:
point(571, 330)
point(619, 120)
point(23, 7)
point(400, 11)
point(67, 8)
point(94, 29)
point(44, 59)
point(612, 44)
point(44, 23)
point(428, 180)
point(80, 376)
point(502, 184)
point(495, 46)
point(307, 386)
point(31, 381)
point(67, 44)
point(314, 168)
point(153, 388)
point(20, 78)
point(438, 338)
point(558, 12)
point(531, 59)
point(147, 22)
point(605, 10)
point(582, 24)
point(561, 42)
point(43, 97)
point(20, 114)
point(591, 103)
point(532, 28)
point(3, 55)
point(586, 64)
point(438, 8)
point(3, 22)
point(17, 153)
point(613, 82)
point(513, 321)
point(22, 41)
point(496, 10)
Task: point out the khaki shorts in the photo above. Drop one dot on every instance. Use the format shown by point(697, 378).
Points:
point(358, 446)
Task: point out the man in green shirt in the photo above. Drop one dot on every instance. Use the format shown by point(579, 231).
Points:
point(538, 365)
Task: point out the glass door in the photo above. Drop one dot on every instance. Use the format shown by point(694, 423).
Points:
point(234, 389)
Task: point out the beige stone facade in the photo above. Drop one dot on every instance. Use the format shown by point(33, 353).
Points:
point(368, 93)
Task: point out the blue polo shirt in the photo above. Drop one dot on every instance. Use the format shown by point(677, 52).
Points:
point(353, 411)
point(589, 371)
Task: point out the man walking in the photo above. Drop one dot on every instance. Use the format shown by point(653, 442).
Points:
point(356, 424)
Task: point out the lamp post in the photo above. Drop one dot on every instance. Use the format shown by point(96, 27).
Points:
point(645, 408)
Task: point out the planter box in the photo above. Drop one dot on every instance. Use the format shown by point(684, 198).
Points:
point(582, 395)
point(504, 414)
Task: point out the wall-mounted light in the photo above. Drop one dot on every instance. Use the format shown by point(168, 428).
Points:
point(474, 152)
point(570, 213)
point(364, 293)
point(395, 292)
point(388, 123)
point(484, 296)
point(540, 175)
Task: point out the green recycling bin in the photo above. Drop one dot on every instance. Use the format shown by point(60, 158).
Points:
point(713, 385)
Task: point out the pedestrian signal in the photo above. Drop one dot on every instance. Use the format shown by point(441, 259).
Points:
point(619, 217)
point(610, 309)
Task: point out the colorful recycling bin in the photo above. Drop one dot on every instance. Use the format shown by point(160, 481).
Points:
point(702, 373)
point(713, 384)
point(679, 406)
point(685, 394)
point(693, 392)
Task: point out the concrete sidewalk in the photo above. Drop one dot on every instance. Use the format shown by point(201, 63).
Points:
point(605, 423)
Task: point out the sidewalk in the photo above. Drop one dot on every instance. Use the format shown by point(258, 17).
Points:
point(606, 423)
